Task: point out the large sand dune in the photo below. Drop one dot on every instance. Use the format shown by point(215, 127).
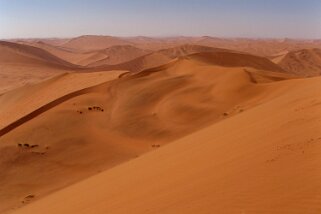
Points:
point(159, 125)
point(75, 130)
point(264, 160)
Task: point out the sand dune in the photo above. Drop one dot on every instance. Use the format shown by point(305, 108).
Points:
point(23, 101)
point(48, 41)
point(22, 64)
point(262, 47)
point(115, 55)
point(73, 133)
point(306, 62)
point(244, 164)
point(221, 57)
point(70, 55)
point(108, 56)
point(91, 42)
point(14, 53)
point(159, 125)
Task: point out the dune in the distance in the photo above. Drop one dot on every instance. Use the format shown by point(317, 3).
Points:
point(306, 62)
point(23, 64)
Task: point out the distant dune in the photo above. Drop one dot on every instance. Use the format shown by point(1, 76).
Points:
point(306, 62)
point(23, 64)
point(91, 42)
point(14, 53)
point(221, 57)
point(114, 55)
point(71, 55)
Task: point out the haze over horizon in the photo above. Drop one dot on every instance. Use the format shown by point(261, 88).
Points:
point(229, 18)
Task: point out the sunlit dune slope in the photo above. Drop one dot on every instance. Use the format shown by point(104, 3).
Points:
point(264, 160)
point(67, 134)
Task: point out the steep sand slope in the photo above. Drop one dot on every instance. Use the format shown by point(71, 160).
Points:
point(91, 42)
point(23, 64)
point(306, 62)
point(265, 160)
point(80, 134)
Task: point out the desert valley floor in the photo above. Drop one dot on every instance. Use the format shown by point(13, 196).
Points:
point(139, 125)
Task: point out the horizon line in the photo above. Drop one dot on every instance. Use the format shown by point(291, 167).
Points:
point(165, 37)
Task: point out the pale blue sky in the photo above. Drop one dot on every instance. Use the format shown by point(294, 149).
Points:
point(222, 18)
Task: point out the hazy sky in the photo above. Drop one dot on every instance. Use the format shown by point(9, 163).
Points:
point(231, 18)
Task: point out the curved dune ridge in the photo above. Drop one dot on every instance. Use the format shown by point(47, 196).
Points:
point(73, 132)
point(306, 62)
point(23, 64)
point(15, 53)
